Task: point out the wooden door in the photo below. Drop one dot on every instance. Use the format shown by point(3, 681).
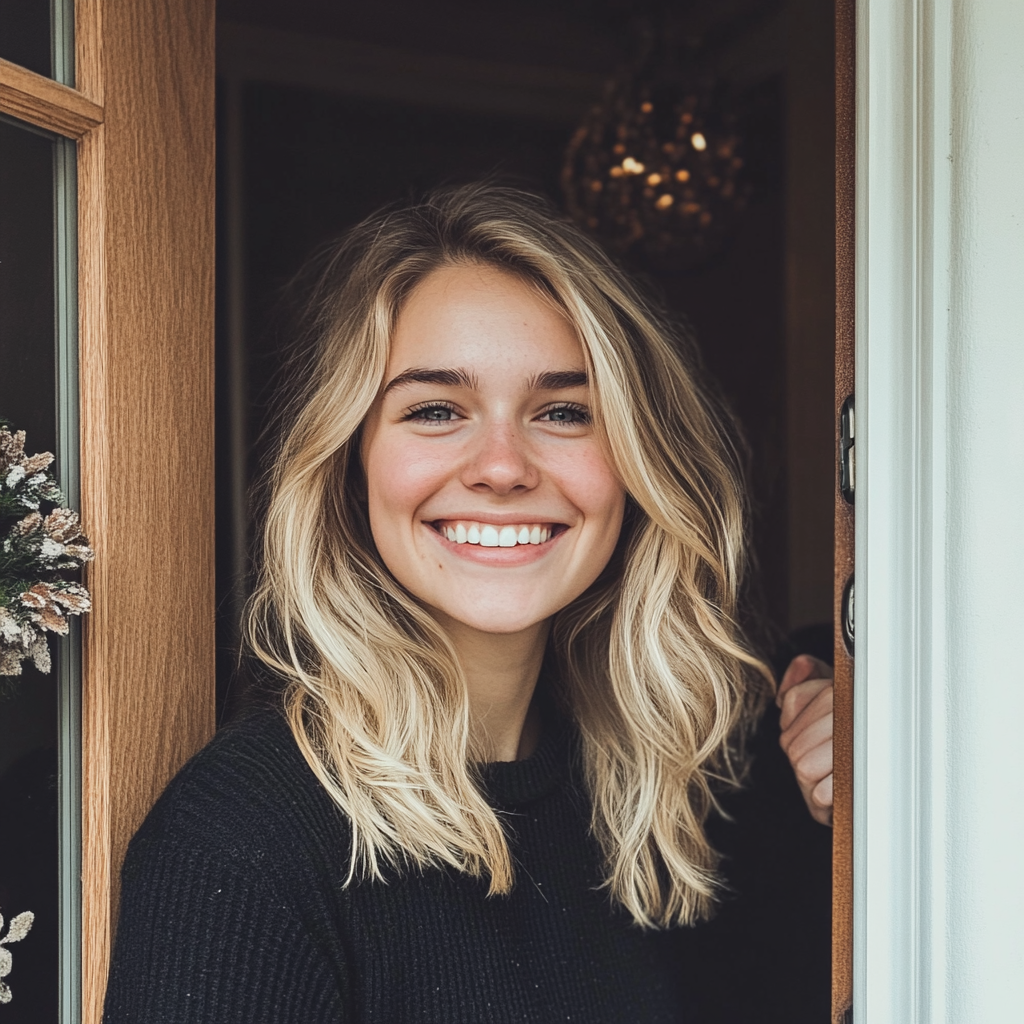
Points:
point(142, 112)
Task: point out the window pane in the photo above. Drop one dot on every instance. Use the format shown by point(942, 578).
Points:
point(25, 34)
point(39, 35)
point(27, 349)
point(30, 724)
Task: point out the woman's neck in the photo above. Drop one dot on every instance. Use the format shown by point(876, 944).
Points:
point(501, 671)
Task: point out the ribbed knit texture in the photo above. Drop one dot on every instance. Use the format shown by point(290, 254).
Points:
point(234, 909)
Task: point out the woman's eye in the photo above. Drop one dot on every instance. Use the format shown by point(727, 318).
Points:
point(432, 414)
point(571, 414)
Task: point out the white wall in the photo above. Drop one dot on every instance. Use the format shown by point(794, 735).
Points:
point(939, 786)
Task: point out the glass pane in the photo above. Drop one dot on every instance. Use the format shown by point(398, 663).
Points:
point(27, 349)
point(36, 710)
point(25, 34)
point(39, 35)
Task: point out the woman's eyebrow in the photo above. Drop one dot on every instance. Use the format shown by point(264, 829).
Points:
point(556, 380)
point(453, 378)
point(549, 380)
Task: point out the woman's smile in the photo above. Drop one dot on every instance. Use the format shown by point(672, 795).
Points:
point(497, 544)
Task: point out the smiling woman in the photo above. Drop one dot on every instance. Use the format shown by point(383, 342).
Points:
point(499, 587)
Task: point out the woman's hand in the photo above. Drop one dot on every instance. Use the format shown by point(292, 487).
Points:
point(805, 697)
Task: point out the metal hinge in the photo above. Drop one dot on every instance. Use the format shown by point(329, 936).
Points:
point(847, 461)
point(846, 614)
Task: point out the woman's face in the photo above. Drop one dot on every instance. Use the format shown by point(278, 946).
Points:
point(490, 495)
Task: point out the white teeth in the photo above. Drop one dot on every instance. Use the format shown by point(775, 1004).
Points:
point(489, 536)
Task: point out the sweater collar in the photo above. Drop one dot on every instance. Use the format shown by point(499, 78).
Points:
point(511, 783)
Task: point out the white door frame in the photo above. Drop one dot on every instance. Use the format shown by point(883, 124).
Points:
point(939, 693)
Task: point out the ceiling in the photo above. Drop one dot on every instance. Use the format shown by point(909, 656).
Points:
point(546, 59)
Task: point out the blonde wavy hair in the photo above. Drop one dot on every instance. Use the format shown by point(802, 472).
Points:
point(651, 663)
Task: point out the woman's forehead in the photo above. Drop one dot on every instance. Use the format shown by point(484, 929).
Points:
point(479, 316)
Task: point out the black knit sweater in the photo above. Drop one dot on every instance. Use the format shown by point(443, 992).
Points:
point(234, 908)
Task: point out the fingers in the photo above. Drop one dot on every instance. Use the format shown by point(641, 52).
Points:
point(807, 741)
point(805, 700)
point(819, 803)
point(798, 698)
point(813, 766)
point(801, 668)
point(813, 771)
point(810, 727)
point(821, 795)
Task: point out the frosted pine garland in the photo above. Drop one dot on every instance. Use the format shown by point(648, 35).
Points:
point(36, 549)
point(16, 931)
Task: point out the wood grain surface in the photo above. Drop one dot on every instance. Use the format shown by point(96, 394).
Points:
point(842, 839)
point(89, 68)
point(45, 103)
point(146, 278)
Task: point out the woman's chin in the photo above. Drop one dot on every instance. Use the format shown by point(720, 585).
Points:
point(500, 621)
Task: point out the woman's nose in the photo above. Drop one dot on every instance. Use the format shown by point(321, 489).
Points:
point(500, 462)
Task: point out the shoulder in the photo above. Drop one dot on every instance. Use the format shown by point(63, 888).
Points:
point(247, 796)
point(226, 897)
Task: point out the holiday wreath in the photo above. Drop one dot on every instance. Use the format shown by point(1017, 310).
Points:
point(41, 542)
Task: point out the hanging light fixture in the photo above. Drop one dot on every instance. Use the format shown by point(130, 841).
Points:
point(657, 166)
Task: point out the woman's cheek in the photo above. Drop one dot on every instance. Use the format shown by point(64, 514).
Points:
point(589, 482)
point(406, 474)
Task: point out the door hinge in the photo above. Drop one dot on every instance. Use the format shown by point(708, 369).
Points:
point(847, 458)
point(846, 615)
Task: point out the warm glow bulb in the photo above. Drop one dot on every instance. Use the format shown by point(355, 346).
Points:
point(698, 141)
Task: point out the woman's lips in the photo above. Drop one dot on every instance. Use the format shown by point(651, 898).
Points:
point(497, 544)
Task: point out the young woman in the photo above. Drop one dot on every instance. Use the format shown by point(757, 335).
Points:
point(499, 585)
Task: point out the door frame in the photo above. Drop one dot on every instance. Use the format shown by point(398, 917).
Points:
point(938, 809)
